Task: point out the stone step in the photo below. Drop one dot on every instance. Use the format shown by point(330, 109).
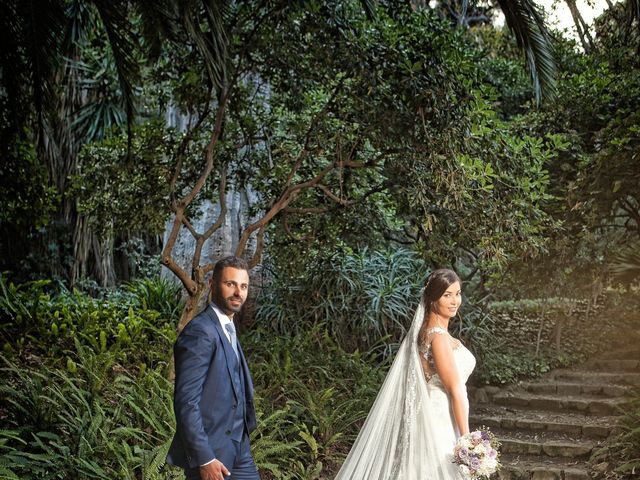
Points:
point(614, 365)
point(600, 378)
point(587, 406)
point(522, 467)
point(526, 444)
point(581, 389)
point(577, 426)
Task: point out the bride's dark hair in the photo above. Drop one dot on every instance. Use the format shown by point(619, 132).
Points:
point(437, 283)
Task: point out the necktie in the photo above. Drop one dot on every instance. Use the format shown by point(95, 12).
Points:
point(231, 329)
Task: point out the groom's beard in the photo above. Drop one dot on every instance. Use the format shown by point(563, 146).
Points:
point(234, 308)
point(225, 303)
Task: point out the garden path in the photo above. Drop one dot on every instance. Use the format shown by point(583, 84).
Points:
point(549, 428)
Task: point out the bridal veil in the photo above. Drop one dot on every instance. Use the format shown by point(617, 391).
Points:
point(399, 438)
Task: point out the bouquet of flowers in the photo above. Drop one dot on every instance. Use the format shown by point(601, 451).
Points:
point(476, 454)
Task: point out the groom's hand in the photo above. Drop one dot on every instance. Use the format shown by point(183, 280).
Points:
point(213, 471)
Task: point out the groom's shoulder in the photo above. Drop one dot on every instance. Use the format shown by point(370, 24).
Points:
point(202, 322)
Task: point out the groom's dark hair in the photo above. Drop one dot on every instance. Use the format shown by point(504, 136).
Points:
point(231, 261)
point(437, 283)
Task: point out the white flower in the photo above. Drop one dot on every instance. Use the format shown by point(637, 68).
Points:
point(480, 450)
point(490, 463)
point(465, 442)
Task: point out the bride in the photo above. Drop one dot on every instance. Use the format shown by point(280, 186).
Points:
point(422, 406)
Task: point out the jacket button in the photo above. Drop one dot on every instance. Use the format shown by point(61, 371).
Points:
point(228, 432)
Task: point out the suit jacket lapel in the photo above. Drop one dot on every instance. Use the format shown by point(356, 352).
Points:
point(245, 368)
point(229, 354)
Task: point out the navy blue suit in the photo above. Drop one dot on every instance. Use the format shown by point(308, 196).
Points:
point(213, 397)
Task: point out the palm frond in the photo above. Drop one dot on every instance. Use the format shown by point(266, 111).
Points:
point(369, 7)
point(80, 19)
point(113, 15)
point(625, 267)
point(212, 42)
point(525, 20)
point(31, 47)
point(158, 22)
point(633, 10)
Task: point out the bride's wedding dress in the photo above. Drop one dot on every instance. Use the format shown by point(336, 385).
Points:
point(410, 432)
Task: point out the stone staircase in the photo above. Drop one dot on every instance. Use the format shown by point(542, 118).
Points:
point(549, 428)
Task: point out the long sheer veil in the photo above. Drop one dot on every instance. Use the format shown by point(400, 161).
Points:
point(395, 440)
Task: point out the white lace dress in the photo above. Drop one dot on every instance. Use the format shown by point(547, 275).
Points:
point(438, 406)
point(409, 433)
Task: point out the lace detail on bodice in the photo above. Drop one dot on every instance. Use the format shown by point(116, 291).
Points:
point(465, 360)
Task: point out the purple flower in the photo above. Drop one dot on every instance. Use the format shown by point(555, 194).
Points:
point(474, 463)
point(463, 454)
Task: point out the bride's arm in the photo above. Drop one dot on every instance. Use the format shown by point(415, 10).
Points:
point(448, 373)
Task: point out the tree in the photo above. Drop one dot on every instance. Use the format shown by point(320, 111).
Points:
point(594, 178)
point(383, 124)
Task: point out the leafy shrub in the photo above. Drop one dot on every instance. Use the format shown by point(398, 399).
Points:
point(313, 396)
point(86, 404)
point(620, 457)
point(526, 338)
point(96, 422)
point(123, 323)
point(360, 297)
point(158, 294)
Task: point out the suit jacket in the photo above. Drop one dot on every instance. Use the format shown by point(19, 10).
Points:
point(204, 397)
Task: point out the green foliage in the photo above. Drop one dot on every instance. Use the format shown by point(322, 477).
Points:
point(62, 427)
point(625, 265)
point(486, 202)
point(620, 456)
point(526, 338)
point(504, 69)
point(120, 189)
point(26, 198)
point(594, 179)
point(94, 411)
point(312, 399)
point(508, 365)
point(158, 294)
point(86, 387)
point(360, 297)
point(66, 320)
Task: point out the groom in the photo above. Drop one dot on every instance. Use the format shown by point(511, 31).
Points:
point(213, 397)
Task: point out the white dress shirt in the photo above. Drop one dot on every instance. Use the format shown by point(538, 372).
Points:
point(224, 319)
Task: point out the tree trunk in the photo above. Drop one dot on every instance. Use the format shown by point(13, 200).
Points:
point(192, 305)
point(581, 26)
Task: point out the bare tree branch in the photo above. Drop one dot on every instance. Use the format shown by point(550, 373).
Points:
point(332, 196)
point(201, 239)
point(209, 151)
point(189, 227)
point(182, 149)
point(257, 255)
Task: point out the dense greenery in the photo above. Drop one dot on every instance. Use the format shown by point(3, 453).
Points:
point(374, 142)
point(622, 452)
point(87, 396)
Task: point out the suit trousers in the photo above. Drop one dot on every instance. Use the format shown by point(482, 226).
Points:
point(243, 468)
